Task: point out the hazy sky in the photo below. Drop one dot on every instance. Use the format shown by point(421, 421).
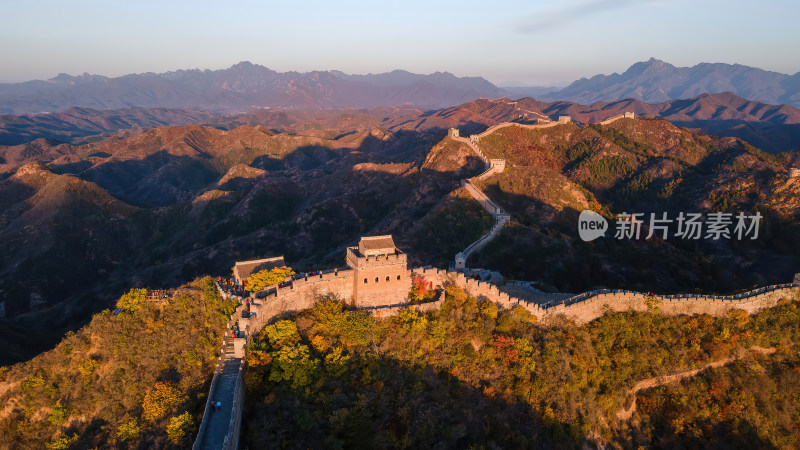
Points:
point(534, 42)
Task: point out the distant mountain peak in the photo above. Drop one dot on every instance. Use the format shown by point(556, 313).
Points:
point(67, 79)
point(656, 81)
point(246, 65)
point(652, 65)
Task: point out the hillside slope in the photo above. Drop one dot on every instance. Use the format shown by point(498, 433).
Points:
point(159, 207)
point(641, 166)
point(469, 375)
point(138, 378)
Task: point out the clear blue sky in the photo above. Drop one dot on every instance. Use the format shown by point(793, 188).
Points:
point(534, 42)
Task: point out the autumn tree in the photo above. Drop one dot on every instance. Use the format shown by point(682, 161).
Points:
point(133, 300)
point(296, 365)
point(161, 400)
point(179, 427)
point(267, 277)
point(419, 289)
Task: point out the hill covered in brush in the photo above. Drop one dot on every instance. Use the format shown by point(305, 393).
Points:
point(467, 375)
point(136, 378)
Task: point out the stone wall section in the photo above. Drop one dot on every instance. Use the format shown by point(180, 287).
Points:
point(487, 204)
point(591, 308)
point(586, 307)
point(627, 115)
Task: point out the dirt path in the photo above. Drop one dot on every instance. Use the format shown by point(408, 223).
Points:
point(626, 413)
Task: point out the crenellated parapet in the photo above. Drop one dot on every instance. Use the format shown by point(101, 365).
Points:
point(589, 306)
point(357, 260)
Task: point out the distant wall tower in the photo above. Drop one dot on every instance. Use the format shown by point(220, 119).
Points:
point(497, 165)
point(380, 273)
point(454, 132)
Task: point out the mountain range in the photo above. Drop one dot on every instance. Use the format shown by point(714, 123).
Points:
point(772, 128)
point(655, 81)
point(246, 86)
point(242, 87)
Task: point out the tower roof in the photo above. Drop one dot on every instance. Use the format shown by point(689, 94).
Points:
point(377, 245)
point(243, 269)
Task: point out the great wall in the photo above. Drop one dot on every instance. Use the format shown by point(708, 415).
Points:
point(493, 166)
point(377, 280)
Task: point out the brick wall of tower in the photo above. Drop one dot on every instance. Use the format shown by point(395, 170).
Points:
point(379, 280)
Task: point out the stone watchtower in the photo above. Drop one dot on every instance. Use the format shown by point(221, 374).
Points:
point(380, 274)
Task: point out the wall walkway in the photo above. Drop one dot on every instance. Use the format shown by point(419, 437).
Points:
point(220, 428)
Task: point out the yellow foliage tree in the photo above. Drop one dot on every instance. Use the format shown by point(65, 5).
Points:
point(489, 309)
point(294, 363)
point(133, 300)
point(179, 427)
point(282, 332)
point(128, 429)
point(267, 277)
point(62, 441)
point(160, 401)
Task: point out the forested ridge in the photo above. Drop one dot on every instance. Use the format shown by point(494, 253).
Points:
point(471, 376)
point(135, 378)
